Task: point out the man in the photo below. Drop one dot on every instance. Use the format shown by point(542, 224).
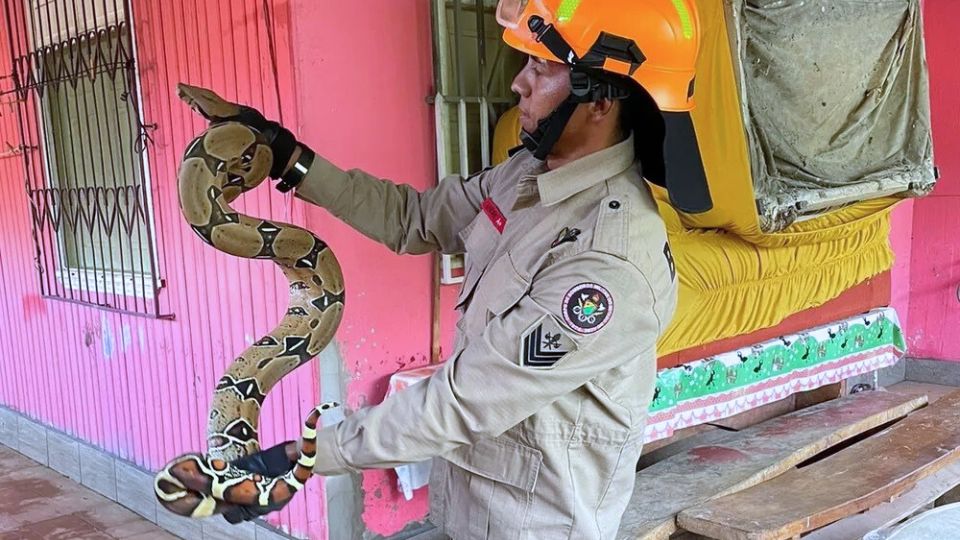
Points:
point(537, 417)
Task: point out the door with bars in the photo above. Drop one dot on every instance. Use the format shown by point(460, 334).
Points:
point(473, 70)
point(75, 83)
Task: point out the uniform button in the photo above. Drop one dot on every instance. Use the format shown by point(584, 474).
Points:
point(614, 205)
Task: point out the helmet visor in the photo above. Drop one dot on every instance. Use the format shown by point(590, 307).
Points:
point(510, 12)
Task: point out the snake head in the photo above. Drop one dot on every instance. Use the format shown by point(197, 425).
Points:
point(217, 110)
point(207, 103)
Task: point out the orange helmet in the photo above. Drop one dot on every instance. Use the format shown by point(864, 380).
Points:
point(654, 42)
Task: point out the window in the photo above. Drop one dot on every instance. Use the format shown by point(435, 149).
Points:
point(76, 79)
point(473, 71)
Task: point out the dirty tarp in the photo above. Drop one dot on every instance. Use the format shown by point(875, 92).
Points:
point(835, 101)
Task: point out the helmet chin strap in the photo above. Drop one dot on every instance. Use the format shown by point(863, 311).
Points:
point(548, 131)
point(585, 87)
point(587, 84)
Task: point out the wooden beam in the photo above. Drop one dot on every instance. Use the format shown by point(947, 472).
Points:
point(933, 391)
point(748, 457)
point(891, 513)
point(824, 393)
point(857, 478)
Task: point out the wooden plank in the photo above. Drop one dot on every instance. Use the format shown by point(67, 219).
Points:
point(890, 513)
point(862, 476)
point(933, 391)
point(749, 457)
point(683, 440)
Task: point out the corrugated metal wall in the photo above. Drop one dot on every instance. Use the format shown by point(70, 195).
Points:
point(139, 387)
point(935, 253)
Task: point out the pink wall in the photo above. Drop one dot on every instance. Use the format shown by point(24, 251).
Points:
point(934, 312)
point(363, 72)
point(901, 241)
point(353, 79)
point(139, 388)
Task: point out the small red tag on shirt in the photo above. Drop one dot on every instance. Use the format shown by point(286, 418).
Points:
point(493, 212)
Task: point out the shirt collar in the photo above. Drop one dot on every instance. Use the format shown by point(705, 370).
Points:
point(555, 186)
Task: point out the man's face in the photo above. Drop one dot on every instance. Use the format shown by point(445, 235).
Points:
point(542, 86)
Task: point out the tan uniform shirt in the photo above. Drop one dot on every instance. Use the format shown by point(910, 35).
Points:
point(538, 414)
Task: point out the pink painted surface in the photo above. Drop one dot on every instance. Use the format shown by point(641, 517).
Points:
point(140, 388)
point(363, 72)
point(901, 242)
point(136, 387)
point(935, 257)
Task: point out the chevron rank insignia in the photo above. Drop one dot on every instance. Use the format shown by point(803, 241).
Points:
point(544, 344)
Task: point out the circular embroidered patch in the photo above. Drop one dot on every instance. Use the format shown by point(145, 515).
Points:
point(587, 307)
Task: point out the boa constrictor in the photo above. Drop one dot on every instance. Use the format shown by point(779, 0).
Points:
point(226, 160)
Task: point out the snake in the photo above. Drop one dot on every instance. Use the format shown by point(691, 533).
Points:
point(227, 159)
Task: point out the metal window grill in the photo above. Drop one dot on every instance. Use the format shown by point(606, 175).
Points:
point(83, 142)
point(473, 71)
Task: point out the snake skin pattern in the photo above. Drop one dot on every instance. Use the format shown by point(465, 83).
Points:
point(225, 161)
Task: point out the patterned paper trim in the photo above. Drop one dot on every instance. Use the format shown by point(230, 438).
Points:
point(735, 382)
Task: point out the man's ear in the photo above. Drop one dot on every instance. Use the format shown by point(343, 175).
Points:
point(601, 108)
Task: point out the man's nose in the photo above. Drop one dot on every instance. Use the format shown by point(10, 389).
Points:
point(519, 84)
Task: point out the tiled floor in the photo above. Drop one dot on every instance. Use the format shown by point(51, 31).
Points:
point(39, 503)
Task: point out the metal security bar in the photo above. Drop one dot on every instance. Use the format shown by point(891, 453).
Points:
point(83, 147)
point(473, 71)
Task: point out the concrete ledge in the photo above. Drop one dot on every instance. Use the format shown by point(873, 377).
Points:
point(115, 478)
point(32, 438)
point(178, 525)
point(8, 428)
point(216, 528)
point(933, 372)
point(135, 490)
point(98, 471)
point(64, 455)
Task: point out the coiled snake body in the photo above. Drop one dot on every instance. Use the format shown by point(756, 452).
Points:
point(226, 160)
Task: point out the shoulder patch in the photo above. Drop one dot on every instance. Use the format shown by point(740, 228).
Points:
point(587, 307)
point(544, 344)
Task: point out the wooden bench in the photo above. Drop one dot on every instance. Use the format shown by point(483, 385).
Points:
point(867, 474)
point(735, 461)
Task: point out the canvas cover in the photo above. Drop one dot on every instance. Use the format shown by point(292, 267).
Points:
point(834, 99)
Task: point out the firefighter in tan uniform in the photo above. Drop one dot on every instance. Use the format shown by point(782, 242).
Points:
point(537, 417)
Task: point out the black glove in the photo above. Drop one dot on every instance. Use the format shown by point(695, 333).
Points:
point(283, 144)
point(272, 462)
point(280, 139)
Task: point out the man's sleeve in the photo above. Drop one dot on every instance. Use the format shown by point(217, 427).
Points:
point(398, 216)
point(576, 320)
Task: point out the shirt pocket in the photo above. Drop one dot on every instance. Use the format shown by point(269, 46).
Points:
point(504, 285)
point(479, 239)
point(502, 479)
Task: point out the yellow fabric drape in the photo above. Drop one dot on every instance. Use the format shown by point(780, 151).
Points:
point(731, 287)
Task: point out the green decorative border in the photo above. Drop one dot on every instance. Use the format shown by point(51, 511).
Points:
point(746, 367)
